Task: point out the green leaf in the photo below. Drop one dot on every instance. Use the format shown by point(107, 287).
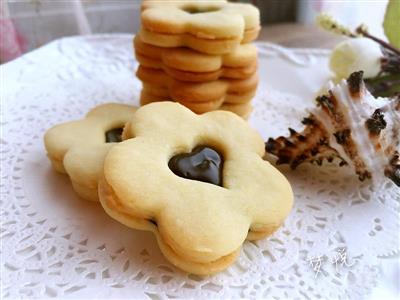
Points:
point(391, 24)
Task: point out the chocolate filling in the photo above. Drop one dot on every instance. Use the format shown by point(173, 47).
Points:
point(114, 135)
point(196, 10)
point(153, 222)
point(203, 164)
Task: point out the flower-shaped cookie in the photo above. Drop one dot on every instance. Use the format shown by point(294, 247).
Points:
point(213, 27)
point(197, 181)
point(78, 148)
point(200, 97)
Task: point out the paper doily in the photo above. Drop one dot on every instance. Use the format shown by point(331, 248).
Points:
point(56, 245)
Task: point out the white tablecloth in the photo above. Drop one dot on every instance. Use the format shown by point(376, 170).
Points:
point(56, 245)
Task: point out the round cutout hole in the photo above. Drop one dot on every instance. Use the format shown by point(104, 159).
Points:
point(200, 10)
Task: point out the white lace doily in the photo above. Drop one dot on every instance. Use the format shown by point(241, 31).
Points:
point(56, 245)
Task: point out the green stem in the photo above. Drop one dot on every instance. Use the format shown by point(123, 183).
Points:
point(378, 40)
point(383, 88)
point(394, 89)
point(384, 78)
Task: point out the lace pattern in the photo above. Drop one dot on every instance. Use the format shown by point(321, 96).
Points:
point(56, 245)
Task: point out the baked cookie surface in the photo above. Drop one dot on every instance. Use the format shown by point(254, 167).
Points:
point(200, 97)
point(160, 181)
point(78, 148)
point(214, 27)
point(188, 65)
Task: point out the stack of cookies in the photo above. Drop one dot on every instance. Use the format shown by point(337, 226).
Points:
point(198, 53)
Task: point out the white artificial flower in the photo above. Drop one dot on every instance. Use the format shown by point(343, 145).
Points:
point(356, 54)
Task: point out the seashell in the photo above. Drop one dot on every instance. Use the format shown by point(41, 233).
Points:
point(351, 127)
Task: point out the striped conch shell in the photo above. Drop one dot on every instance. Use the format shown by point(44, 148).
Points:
point(351, 127)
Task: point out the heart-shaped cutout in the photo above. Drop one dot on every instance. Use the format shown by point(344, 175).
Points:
point(114, 135)
point(202, 164)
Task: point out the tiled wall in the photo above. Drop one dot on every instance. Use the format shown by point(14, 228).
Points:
point(40, 21)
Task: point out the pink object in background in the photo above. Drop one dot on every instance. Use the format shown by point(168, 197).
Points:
point(12, 44)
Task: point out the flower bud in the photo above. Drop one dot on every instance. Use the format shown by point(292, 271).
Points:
point(356, 54)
